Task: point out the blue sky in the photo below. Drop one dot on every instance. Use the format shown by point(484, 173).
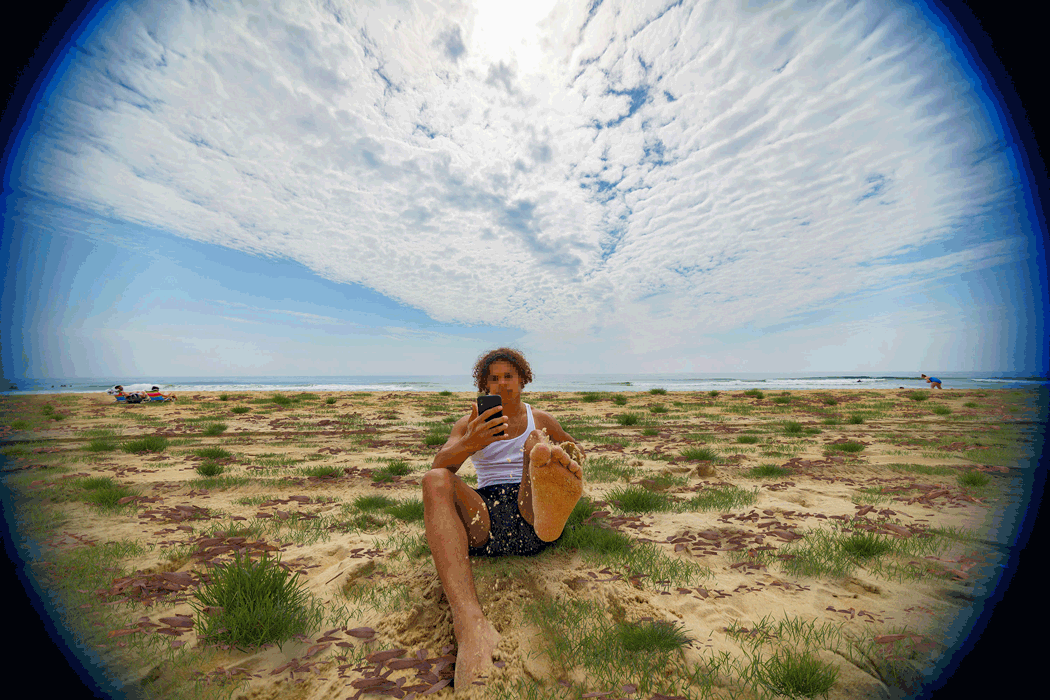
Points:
point(329, 188)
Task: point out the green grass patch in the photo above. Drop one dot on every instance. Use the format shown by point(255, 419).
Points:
point(636, 499)
point(239, 409)
point(754, 393)
point(849, 447)
point(209, 468)
point(767, 471)
point(658, 408)
point(249, 603)
point(720, 498)
point(924, 469)
point(213, 453)
point(214, 429)
point(372, 503)
point(855, 419)
point(659, 392)
point(747, 439)
point(410, 511)
point(797, 674)
point(620, 400)
point(150, 443)
point(603, 468)
point(792, 428)
point(628, 419)
point(973, 479)
point(397, 467)
point(918, 395)
point(865, 545)
point(703, 454)
point(221, 482)
point(100, 444)
point(941, 410)
point(105, 494)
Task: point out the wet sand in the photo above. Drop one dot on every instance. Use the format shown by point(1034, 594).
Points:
point(176, 517)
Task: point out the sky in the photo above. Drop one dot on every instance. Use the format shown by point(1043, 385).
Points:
point(351, 188)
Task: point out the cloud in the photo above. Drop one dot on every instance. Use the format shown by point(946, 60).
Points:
point(644, 172)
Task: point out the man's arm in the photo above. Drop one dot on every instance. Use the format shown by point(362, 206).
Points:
point(469, 435)
point(454, 452)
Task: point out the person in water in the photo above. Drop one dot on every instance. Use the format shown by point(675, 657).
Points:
point(529, 480)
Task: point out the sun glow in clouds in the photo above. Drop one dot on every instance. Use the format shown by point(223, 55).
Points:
point(510, 32)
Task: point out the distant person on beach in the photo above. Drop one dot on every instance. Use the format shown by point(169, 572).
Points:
point(155, 394)
point(527, 487)
point(934, 382)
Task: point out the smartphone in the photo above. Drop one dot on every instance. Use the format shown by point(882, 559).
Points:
point(490, 401)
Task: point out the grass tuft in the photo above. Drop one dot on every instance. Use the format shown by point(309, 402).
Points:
point(151, 443)
point(767, 471)
point(636, 499)
point(247, 604)
point(973, 479)
point(865, 545)
point(209, 468)
point(703, 454)
point(797, 674)
point(845, 447)
point(628, 419)
point(650, 636)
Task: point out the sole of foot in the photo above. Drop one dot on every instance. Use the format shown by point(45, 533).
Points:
point(557, 484)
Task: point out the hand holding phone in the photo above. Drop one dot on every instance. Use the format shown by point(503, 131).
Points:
point(491, 401)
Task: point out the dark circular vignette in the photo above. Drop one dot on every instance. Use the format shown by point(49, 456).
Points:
point(39, 647)
point(1002, 652)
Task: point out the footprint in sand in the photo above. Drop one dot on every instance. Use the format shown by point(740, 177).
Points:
point(557, 484)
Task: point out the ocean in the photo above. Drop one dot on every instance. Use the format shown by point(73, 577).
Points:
point(784, 381)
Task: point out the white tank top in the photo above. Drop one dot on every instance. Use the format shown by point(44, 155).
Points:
point(501, 462)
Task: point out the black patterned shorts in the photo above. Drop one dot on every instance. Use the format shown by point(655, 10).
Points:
point(509, 533)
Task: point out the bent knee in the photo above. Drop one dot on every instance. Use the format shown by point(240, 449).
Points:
point(534, 438)
point(437, 481)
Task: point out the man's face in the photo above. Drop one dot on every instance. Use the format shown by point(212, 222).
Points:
point(503, 379)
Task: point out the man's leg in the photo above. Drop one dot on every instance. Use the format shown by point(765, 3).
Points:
point(455, 517)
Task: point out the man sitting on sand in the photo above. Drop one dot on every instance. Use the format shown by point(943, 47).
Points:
point(934, 382)
point(155, 394)
point(527, 487)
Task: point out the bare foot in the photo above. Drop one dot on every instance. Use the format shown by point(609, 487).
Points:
point(474, 653)
point(557, 484)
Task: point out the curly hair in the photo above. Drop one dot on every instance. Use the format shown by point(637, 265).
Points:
point(481, 368)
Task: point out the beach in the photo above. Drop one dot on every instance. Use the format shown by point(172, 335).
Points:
point(854, 528)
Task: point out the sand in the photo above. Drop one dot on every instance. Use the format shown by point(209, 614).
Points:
point(175, 523)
